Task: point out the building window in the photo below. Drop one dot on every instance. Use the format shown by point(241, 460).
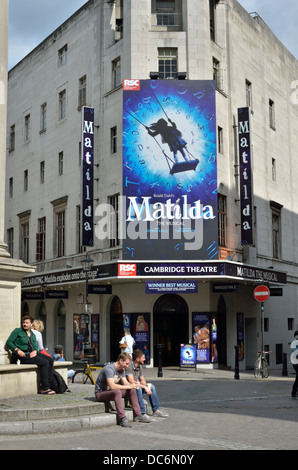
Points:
point(10, 237)
point(79, 248)
point(62, 55)
point(60, 233)
point(271, 114)
point(290, 324)
point(114, 226)
point(82, 91)
point(26, 180)
point(60, 164)
point(62, 105)
point(276, 228)
point(27, 127)
point(222, 219)
point(24, 241)
point(273, 169)
point(220, 139)
point(10, 187)
point(167, 62)
point(41, 240)
point(114, 139)
point(116, 72)
point(59, 206)
point(119, 21)
point(12, 137)
point(165, 13)
point(41, 171)
point(212, 6)
point(217, 74)
point(248, 94)
point(278, 353)
point(80, 154)
point(43, 117)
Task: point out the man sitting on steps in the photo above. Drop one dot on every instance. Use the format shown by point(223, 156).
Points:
point(108, 388)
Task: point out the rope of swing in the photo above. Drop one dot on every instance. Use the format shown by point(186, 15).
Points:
point(146, 127)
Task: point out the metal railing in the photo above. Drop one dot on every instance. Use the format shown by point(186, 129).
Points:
point(168, 19)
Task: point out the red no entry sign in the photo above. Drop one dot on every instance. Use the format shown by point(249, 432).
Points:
point(261, 293)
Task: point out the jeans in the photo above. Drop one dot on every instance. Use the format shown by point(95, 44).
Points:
point(45, 364)
point(153, 399)
point(116, 396)
point(295, 384)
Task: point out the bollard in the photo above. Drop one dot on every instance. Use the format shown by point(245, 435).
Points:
point(159, 360)
point(284, 365)
point(236, 376)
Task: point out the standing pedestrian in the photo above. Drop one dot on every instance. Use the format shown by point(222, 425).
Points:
point(294, 361)
point(126, 343)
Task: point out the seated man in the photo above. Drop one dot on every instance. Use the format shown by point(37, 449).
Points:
point(23, 345)
point(134, 375)
point(108, 388)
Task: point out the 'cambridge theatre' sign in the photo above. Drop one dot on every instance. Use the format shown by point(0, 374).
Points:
point(246, 202)
point(87, 176)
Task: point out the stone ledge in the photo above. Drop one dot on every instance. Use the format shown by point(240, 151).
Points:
point(14, 368)
point(20, 380)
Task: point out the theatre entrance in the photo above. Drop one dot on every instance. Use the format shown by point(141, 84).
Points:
point(170, 328)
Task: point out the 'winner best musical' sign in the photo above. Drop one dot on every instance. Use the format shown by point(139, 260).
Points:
point(246, 201)
point(87, 209)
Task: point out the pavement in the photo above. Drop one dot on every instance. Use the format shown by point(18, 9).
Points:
point(77, 409)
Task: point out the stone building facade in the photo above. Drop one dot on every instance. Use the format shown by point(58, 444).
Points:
point(82, 63)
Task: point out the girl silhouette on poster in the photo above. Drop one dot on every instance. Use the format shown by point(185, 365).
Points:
point(170, 135)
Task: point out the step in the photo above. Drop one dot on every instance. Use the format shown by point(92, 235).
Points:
point(70, 411)
point(40, 426)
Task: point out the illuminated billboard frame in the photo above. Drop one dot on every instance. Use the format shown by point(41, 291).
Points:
point(169, 170)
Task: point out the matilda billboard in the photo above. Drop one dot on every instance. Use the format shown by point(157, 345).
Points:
point(169, 170)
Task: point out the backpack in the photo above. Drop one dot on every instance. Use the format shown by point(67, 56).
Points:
point(58, 383)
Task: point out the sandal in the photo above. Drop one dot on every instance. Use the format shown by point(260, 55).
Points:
point(47, 392)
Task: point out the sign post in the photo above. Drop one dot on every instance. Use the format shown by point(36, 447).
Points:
point(261, 294)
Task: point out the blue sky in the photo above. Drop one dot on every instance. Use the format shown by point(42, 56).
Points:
point(31, 21)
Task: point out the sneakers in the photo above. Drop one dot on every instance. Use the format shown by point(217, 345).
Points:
point(125, 423)
point(160, 414)
point(294, 395)
point(142, 419)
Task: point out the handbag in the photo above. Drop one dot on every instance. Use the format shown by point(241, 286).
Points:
point(123, 346)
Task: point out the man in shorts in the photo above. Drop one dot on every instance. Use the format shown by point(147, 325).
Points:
point(108, 388)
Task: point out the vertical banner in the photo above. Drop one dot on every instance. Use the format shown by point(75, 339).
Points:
point(169, 170)
point(214, 338)
point(240, 335)
point(201, 336)
point(246, 202)
point(141, 333)
point(80, 334)
point(94, 333)
point(87, 209)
